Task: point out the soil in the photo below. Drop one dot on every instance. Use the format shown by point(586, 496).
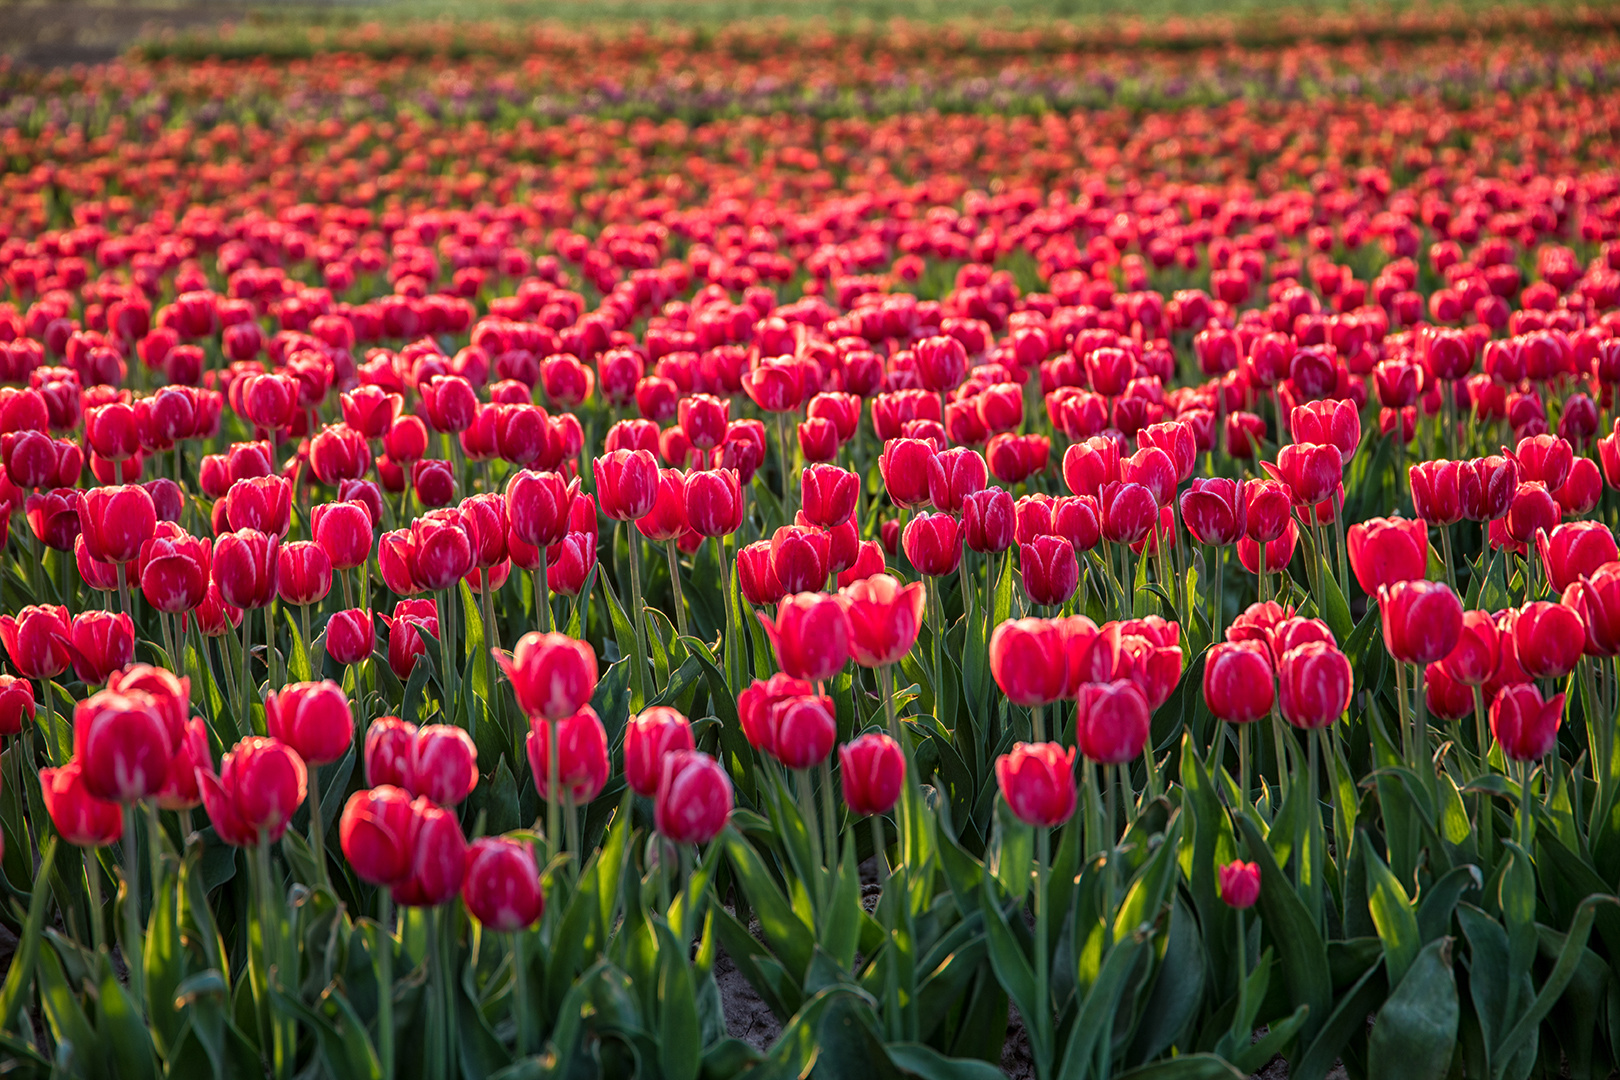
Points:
point(60, 35)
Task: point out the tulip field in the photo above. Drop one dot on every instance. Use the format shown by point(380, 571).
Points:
point(1081, 551)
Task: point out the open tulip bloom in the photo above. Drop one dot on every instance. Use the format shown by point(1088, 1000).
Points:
point(475, 558)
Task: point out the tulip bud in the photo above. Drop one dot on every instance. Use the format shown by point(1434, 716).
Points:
point(667, 518)
point(81, 818)
point(303, 573)
point(648, 738)
point(444, 764)
point(1238, 683)
point(755, 575)
point(828, 495)
point(375, 833)
point(693, 800)
point(1575, 550)
point(350, 636)
point(123, 745)
point(1436, 492)
point(884, 618)
point(1384, 551)
point(905, 465)
point(1215, 510)
point(437, 858)
point(1027, 660)
point(872, 770)
point(1037, 780)
point(1533, 510)
point(933, 544)
point(1314, 684)
point(626, 484)
point(1477, 654)
point(582, 756)
point(441, 550)
point(1128, 512)
point(800, 558)
point(538, 505)
point(117, 521)
point(102, 644)
point(1548, 639)
point(810, 635)
point(1422, 620)
point(1485, 487)
point(1525, 726)
point(988, 519)
point(313, 718)
point(244, 568)
point(501, 885)
point(712, 502)
point(553, 675)
point(1113, 720)
point(1240, 884)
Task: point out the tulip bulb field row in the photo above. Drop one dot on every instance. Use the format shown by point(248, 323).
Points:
point(1102, 587)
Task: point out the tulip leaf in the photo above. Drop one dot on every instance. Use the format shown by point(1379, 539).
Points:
point(624, 636)
point(840, 935)
point(1334, 1032)
point(1393, 916)
point(346, 1049)
point(20, 974)
point(797, 1048)
point(1099, 1008)
point(1415, 1033)
point(1007, 957)
point(121, 1025)
point(163, 962)
point(919, 1059)
point(1190, 1067)
point(1178, 988)
point(66, 1017)
point(789, 936)
point(1437, 901)
point(1569, 958)
point(298, 660)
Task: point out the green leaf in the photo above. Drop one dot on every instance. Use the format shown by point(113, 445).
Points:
point(65, 1015)
point(841, 930)
point(1438, 900)
point(125, 1032)
point(298, 665)
point(1393, 916)
point(1415, 1033)
point(1007, 957)
point(1569, 959)
point(1190, 1067)
point(1348, 1018)
point(1178, 988)
point(163, 963)
point(20, 975)
point(928, 1063)
point(789, 937)
point(795, 1051)
point(1098, 1011)
point(344, 1045)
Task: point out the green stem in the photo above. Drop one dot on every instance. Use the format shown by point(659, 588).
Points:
point(675, 586)
point(829, 815)
point(48, 699)
point(520, 994)
point(1043, 958)
point(807, 809)
point(639, 667)
point(1243, 763)
point(385, 983)
point(787, 471)
point(553, 795)
point(317, 830)
point(92, 873)
point(542, 593)
point(132, 912)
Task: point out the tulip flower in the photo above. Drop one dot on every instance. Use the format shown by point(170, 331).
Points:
point(872, 769)
point(1384, 551)
point(828, 495)
point(810, 635)
point(260, 783)
point(1314, 684)
point(1028, 661)
point(81, 818)
point(1422, 620)
point(693, 800)
point(1548, 639)
point(552, 675)
point(988, 520)
point(501, 884)
point(1037, 781)
point(648, 737)
point(884, 618)
point(375, 831)
point(1523, 724)
point(933, 544)
point(1575, 550)
point(1240, 884)
point(102, 644)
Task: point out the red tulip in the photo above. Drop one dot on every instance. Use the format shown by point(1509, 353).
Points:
point(1267, 509)
point(810, 635)
point(1129, 512)
point(1328, 423)
point(405, 642)
point(1027, 660)
point(868, 563)
point(693, 801)
point(1310, 471)
point(1113, 721)
point(1245, 433)
point(800, 558)
point(343, 530)
point(81, 818)
point(1548, 639)
point(582, 756)
point(871, 770)
point(444, 764)
point(933, 544)
point(438, 857)
point(1422, 620)
point(389, 749)
point(954, 476)
point(553, 675)
point(1240, 884)
point(1478, 652)
point(303, 573)
point(1532, 511)
point(1436, 491)
point(626, 483)
point(569, 563)
point(1384, 551)
point(1239, 686)
point(538, 506)
point(350, 636)
point(1525, 726)
point(884, 618)
point(1152, 468)
point(828, 495)
point(648, 737)
point(1485, 487)
point(755, 701)
point(905, 465)
point(1543, 458)
point(262, 503)
point(713, 502)
point(441, 550)
point(1314, 684)
point(102, 644)
point(485, 520)
point(371, 410)
point(215, 617)
point(1215, 510)
point(123, 745)
point(1088, 465)
point(375, 834)
point(1445, 697)
point(802, 730)
point(313, 718)
point(1279, 552)
point(1050, 570)
point(1575, 550)
point(667, 518)
point(407, 439)
point(756, 576)
point(988, 519)
point(16, 703)
point(117, 521)
point(1037, 780)
point(244, 567)
point(501, 885)
point(53, 518)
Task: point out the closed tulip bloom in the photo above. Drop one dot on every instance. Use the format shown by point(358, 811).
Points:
point(338, 453)
point(582, 756)
point(693, 801)
point(501, 885)
point(444, 764)
point(1013, 458)
point(667, 518)
point(1028, 660)
point(313, 718)
point(350, 636)
point(1386, 550)
point(818, 440)
point(553, 675)
point(406, 439)
point(81, 818)
point(54, 518)
point(905, 465)
point(438, 858)
point(433, 483)
point(810, 635)
point(884, 618)
point(988, 520)
point(828, 495)
point(1245, 433)
point(538, 505)
point(1113, 721)
point(263, 503)
point(954, 476)
point(1238, 682)
point(244, 567)
point(868, 563)
point(1544, 458)
point(1240, 884)
point(1596, 599)
point(395, 561)
point(1310, 471)
point(713, 502)
point(626, 483)
point(933, 544)
point(1175, 438)
point(1050, 570)
point(1279, 552)
point(1037, 780)
point(343, 530)
point(1314, 685)
point(803, 729)
point(1267, 509)
point(100, 576)
point(755, 701)
point(648, 737)
point(38, 640)
point(756, 576)
point(1215, 510)
point(117, 521)
point(1532, 511)
point(123, 744)
point(405, 642)
point(1422, 620)
point(1525, 726)
point(303, 573)
point(16, 704)
point(375, 833)
point(441, 550)
point(1575, 550)
point(1435, 491)
point(704, 419)
point(1583, 489)
point(569, 563)
point(1088, 465)
point(1152, 468)
point(1548, 639)
point(1328, 423)
point(1485, 487)
point(1445, 697)
point(215, 617)
point(871, 770)
point(389, 750)
point(102, 644)
point(1128, 512)
point(1478, 652)
point(371, 410)
point(485, 521)
point(800, 558)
